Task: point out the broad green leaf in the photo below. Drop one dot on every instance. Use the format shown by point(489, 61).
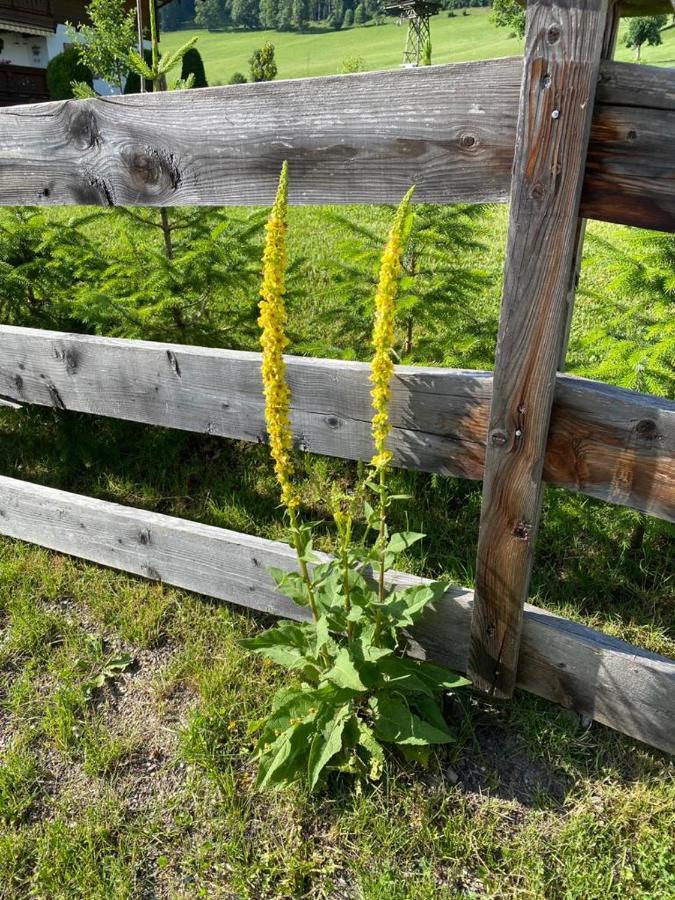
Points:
point(344, 673)
point(401, 674)
point(396, 723)
point(365, 647)
point(291, 585)
point(429, 709)
point(326, 743)
point(405, 607)
point(372, 517)
point(286, 757)
point(323, 638)
point(401, 540)
point(286, 644)
point(441, 677)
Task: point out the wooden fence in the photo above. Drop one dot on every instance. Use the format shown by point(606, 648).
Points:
point(564, 133)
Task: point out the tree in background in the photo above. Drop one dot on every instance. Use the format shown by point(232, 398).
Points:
point(336, 16)
point(644, 30)
point(360, 15)
point(211, 14)
point(348, 19)
point(193, 65)
point(65, 70)
point(177, 13)
point(204, 293)
point(285, 18)
point(104, 44)
point(237, 78)
point(262, 64)
point(244, 13)
point(632, 343)
point(42, 261)
point(269, 13)
point(437, 306)
point(509, 14)
point(300, 15)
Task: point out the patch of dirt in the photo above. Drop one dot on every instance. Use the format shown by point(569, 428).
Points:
point(498, 763)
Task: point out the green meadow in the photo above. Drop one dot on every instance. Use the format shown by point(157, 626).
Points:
point(320, 52)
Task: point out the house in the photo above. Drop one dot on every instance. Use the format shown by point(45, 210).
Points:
point(31, 33)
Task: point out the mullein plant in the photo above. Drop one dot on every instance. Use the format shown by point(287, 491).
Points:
point(354, 690)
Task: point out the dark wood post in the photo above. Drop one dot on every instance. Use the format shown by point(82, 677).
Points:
point(563, 49)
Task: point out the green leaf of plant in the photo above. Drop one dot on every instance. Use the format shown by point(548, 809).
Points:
point(402, 540)
point(291, 585)
point(286, 644)
point(430, 710)
point(286, 758)
point(400, 674)
point(326, 743)
point(396, 723)
point(344, 673)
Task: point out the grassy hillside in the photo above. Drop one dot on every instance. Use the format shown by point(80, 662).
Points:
point(381, 47)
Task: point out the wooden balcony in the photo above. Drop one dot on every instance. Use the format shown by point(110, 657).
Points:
point(22, 84)
point(28, 12)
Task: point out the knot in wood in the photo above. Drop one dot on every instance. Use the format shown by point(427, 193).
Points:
point(522, 531)
point(83, 129)
point(553, 34)
point(153, 168)
point(498, 438)
point(646, 429)
point(468, 141)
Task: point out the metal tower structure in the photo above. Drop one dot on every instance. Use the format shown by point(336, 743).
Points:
point(417, 14)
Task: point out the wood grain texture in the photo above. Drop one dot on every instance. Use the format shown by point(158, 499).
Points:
point(606, 442)
point(633, 123)
point(355, 138)
point(610, 681)
point(639, 7)
point(607, 51)
point(563, 46)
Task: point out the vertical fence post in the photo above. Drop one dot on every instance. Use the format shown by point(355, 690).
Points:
point(563, 48)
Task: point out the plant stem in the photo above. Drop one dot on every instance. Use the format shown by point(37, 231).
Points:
point(304, 571)
point(381, 546)
point(344, 549)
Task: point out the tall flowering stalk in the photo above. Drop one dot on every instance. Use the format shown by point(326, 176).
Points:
point(272, 322)
point(382, 365)
point(357, 689)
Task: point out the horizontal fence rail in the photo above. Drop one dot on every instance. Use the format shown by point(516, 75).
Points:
point(608, 680)
point(361, 138)
point(605, 442)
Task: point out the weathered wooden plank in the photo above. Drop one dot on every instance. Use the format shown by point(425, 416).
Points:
point(617, 684)
point(606, 442)
point(562, 59)
point(358, 138)
point(614, 190)
point(607, 51)
point(639, 7)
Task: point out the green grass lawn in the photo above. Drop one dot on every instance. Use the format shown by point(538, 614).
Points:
point(381, 47)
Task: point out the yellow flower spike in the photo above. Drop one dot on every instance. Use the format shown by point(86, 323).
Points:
point(273, 340)
point(382, 366)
